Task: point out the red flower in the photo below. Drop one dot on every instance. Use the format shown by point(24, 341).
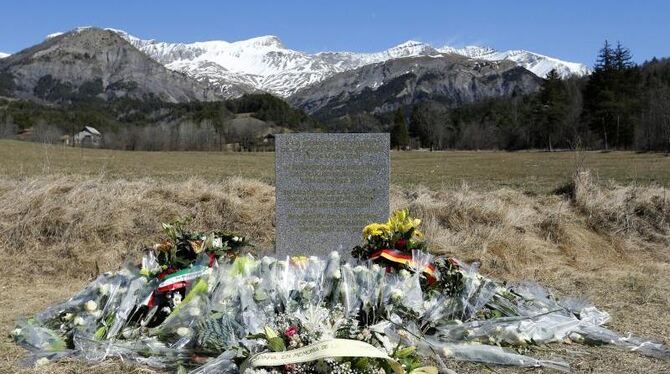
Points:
point(212, 259)
point(292, 330)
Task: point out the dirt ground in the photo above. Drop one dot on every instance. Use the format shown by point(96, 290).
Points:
point(609, 244)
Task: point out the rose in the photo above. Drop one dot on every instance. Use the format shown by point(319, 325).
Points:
point(290, 331)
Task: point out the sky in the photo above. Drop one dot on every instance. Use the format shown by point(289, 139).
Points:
point(567, 29)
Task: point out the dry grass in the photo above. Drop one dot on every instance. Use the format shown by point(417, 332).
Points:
point(532, 171)
point(607, 243)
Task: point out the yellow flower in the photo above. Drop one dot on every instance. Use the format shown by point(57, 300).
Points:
point(376, 229)
point(299, 261)
point(400, 221)
point(197, 245)
point(164, 246)
point(145, 271)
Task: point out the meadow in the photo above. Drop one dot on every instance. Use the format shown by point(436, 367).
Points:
point(67, 214)
point(530, 171)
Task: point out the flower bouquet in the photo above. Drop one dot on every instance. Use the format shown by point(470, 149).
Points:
point(396, 245)
point(197, 303)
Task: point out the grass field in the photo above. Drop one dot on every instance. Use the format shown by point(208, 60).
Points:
point(532, 171)
point(66, 214)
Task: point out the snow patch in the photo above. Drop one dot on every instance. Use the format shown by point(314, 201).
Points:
point(539, 64)
point(53, 35)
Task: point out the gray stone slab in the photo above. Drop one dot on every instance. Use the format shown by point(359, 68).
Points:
point(328, 187)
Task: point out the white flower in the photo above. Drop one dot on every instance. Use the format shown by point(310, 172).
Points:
point(41, 362)
point(293, 343)
point(97, 313)
point(358, 269)
point(365, 334)
point(91, 306)
point(16, 332)
point(396, 295)
point(194, 312)
point(183, 331)
point(236, 239)
point(68, 317)
point(176, 299)
point(334, 255)
point(337, 274)
point(103, 289)
point(376, 268)
point(447, 352)
point(405, 274)
point(217, 243)
point(512, 336)
point(78, 321)
point(576, 337)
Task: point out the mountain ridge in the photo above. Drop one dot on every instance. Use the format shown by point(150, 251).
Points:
point(90, 64)
point(264, 63)
point(383, 87)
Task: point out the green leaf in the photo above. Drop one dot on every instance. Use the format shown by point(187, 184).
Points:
point(405, 352)
point(270, 333)
point(276, 344)
point(361, 363)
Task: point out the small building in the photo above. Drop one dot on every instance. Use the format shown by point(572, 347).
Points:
point(25, 134)
point(269, 139)
point(88, 137)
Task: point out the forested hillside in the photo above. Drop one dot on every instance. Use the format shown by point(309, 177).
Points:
point(153, 124)
point(621, 105)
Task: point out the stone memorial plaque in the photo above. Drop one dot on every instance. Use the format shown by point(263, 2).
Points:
point(328, 187)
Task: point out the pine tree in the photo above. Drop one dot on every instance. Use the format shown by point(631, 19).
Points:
point(399, 132)
point(555, 102)
point(418, 126)
point(415, 122)
point(622, 58)
point(605, 60)
point(610, 97)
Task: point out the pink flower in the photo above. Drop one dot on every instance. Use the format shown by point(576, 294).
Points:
point(292, 330)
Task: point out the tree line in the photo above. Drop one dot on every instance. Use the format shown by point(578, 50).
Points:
point(620, 105)
point(153, 125)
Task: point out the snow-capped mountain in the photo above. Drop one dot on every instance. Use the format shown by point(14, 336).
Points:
point(449, 79)
point(265, 64)
point(539, 64)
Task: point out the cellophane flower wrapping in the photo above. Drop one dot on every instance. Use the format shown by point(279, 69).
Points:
point(214, 309)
